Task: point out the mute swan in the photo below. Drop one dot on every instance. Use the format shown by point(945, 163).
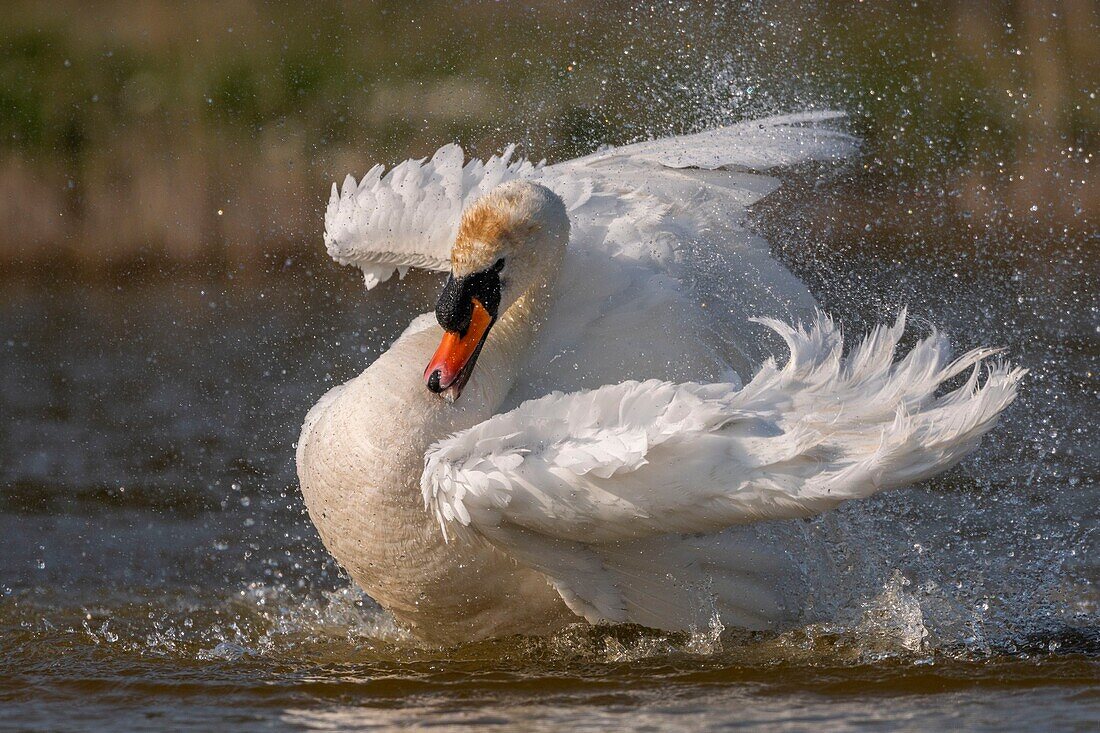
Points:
point(567, 436)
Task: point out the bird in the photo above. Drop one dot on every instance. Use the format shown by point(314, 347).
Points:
point(594, 425)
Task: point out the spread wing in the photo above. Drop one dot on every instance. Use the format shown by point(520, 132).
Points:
point(688, 199)
point(408, 217)
point(565, 482)
point(387, 222)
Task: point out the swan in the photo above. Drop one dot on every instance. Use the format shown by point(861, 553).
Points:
point(569, 435)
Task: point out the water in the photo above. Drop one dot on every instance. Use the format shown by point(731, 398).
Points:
point(159, 570)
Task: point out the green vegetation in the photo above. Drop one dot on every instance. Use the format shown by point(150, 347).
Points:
point(210, 130)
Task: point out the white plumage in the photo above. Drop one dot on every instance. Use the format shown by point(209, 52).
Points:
point(649, 459)
point(604, 444)
point(409, 216)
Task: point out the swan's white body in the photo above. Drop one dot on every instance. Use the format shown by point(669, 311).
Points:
point(603, 461)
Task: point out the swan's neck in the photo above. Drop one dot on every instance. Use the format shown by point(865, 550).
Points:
point(362, 448)
point(509, 342)
point(361, 455)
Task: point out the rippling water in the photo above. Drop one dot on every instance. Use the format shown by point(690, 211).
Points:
point(158, 570)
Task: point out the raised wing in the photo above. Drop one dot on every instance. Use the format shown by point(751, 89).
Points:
point(388, 222)
point(663, 271)
point(753, 145)
point(566, 481)
point(409, 216)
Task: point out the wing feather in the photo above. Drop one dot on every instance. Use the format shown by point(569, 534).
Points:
point(409, 216)
point(754, 145)
point(589, 473)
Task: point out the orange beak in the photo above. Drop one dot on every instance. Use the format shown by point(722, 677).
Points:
point(453, 363)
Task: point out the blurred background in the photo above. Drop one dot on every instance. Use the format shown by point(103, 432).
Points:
point(206, 134)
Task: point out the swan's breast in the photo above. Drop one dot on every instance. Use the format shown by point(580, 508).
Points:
point(360, 457)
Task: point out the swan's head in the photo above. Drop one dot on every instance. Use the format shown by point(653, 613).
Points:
point(508, 241)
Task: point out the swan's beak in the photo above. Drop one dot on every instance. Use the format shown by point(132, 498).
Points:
point(453, 363)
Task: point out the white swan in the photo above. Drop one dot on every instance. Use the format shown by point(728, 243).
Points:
point(597, 460)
